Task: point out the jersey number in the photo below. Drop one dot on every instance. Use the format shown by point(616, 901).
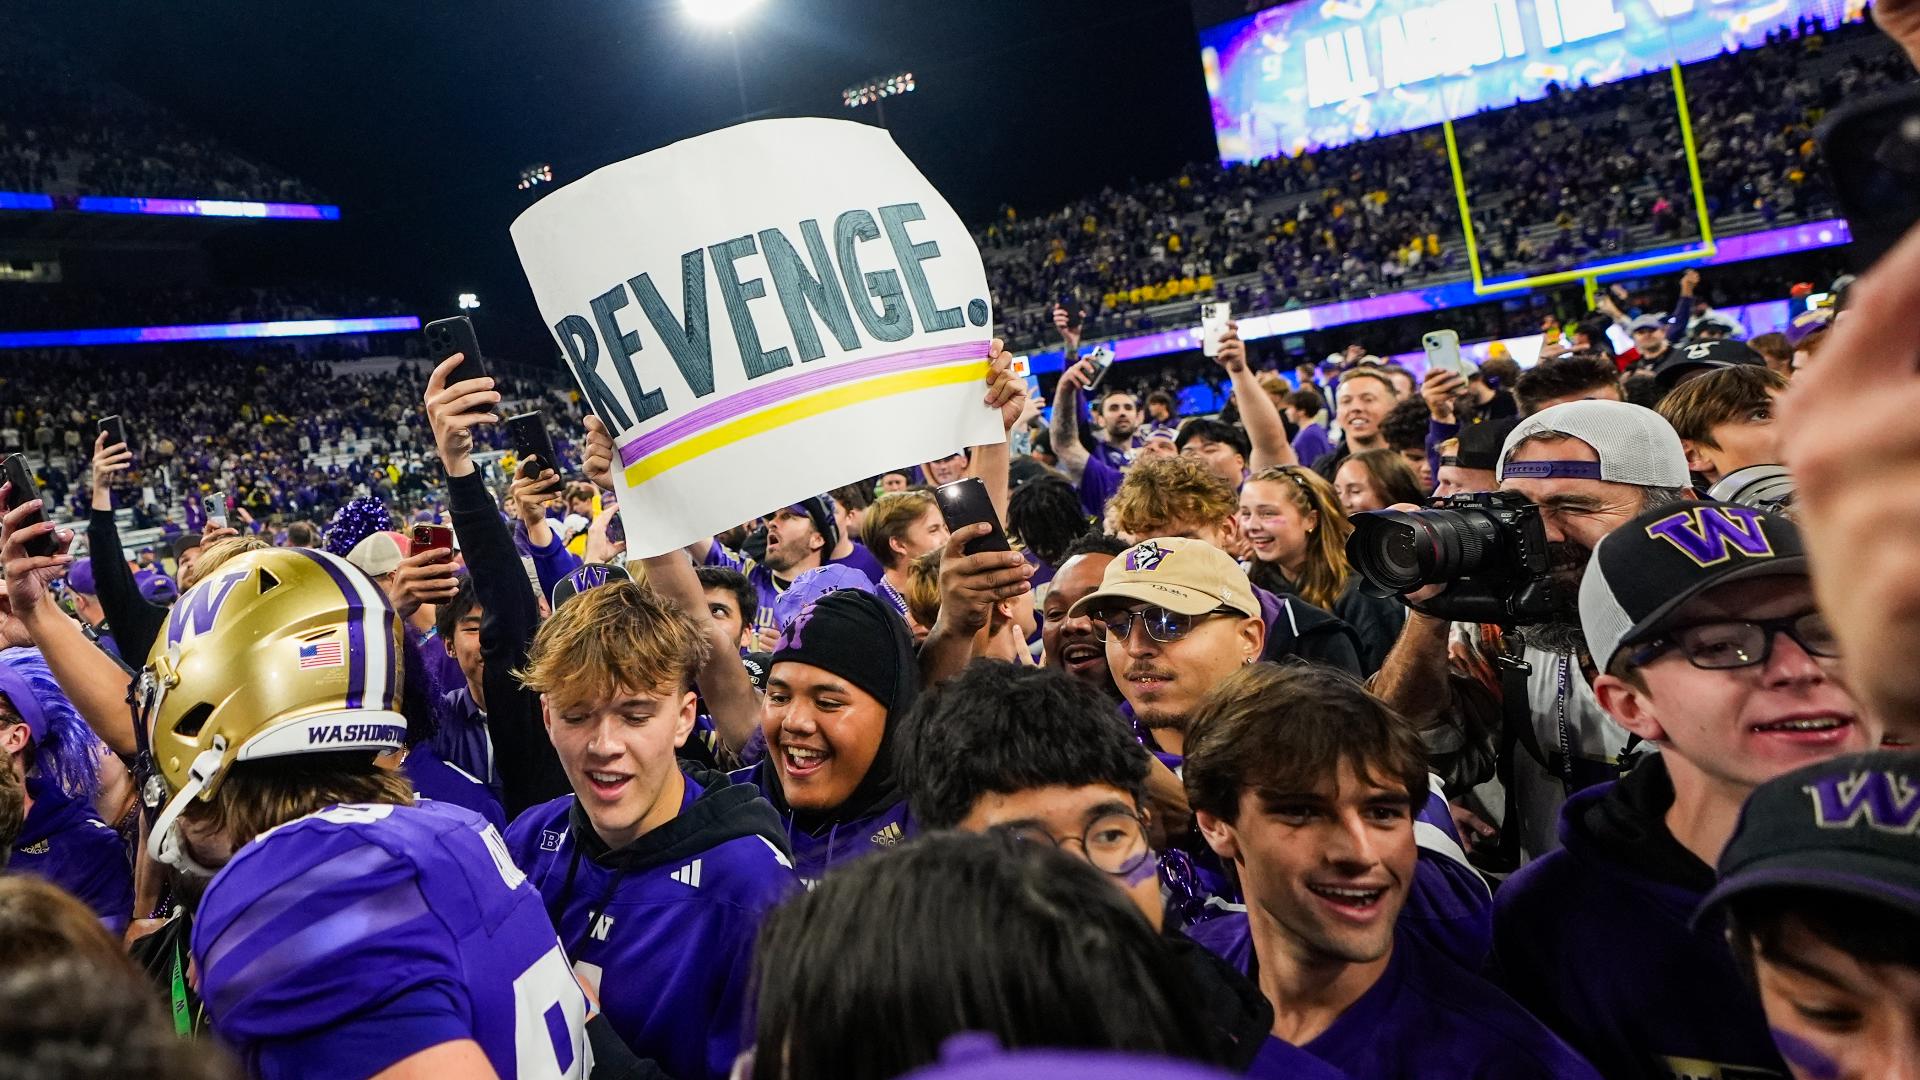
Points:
point(549, 1021)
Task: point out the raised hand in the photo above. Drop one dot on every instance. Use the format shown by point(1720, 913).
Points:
point(454, 411)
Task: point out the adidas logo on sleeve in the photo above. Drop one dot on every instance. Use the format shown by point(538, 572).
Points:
point(688, 874)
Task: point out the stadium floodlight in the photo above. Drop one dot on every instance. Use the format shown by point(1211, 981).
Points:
point(467, 301)
point(719, 12)
point(877, 89)
point(534, 175)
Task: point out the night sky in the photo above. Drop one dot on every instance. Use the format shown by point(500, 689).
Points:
point(416, 117)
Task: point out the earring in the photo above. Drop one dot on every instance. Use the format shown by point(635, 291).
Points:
point(1247, 662)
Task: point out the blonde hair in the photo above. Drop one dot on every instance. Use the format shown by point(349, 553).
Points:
point(888, 519)
point(218, 552)
point(1162, 491)
point(923, 588)
point(1325, 575)
point(619, 636)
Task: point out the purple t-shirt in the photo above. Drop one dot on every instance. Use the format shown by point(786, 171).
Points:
point(348, 940)
point(1097, 484)
point(1312, 443)
point(862, 560)
point(1424, 1017)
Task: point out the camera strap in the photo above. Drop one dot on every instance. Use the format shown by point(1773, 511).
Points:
point(1516, 733)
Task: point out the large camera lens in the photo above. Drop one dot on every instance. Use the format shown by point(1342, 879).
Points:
point(1397, 551)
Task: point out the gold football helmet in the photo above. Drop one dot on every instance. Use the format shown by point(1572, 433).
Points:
point(277, 652)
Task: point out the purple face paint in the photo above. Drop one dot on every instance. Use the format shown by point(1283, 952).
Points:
point(1147, 868)
point(1807, 1059)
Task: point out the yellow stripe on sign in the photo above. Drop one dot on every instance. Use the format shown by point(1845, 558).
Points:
point(801, 408)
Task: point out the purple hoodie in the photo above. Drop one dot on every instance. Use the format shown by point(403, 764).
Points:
point(63, 842)
point(1594, 938)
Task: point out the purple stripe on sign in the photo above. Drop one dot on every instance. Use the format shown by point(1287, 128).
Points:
point(759, 397)
point(356, 633)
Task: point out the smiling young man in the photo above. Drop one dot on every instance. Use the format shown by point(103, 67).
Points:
point(843, 672)
point(1076, 644)
point(1702, 619)
point(1180, 616)
point(1310, 787)
point(1361, 403)
point(655, 871)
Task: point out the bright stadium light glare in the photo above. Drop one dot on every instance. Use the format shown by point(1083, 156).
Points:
point(468, 301)
point(719, 12)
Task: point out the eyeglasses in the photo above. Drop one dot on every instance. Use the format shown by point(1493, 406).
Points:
point(1161, 625)
point(1717, 646)
point(1115, 843)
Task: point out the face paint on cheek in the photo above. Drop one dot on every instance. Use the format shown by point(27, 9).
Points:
point(1147, 868)
point(1805, 1057)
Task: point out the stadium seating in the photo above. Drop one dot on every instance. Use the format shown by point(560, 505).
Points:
point(68, 131)
point(1583, 174)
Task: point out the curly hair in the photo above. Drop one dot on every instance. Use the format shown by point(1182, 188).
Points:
point(1046, 517)
point(1405, 425)
point(1160, 492)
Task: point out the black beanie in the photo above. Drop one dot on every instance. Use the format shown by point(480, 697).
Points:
point(859, 637)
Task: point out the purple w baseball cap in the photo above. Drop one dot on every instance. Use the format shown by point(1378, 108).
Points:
point(584, 577)
point(1849, 824)
point(1642, 573)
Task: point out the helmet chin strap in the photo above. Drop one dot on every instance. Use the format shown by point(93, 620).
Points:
point(164, 842)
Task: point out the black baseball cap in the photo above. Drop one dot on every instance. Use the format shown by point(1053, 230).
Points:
point(583, 577)
point(1845, 825)
point(1480, 444)
point(1643, 572)
point(819, 510)
point(1703, 356)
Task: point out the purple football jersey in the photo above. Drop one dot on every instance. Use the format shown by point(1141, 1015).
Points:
point(348, 940)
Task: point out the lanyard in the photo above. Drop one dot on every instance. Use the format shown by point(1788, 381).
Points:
point(182, 1022)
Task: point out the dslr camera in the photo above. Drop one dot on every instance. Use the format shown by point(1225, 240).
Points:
point(1488, 547)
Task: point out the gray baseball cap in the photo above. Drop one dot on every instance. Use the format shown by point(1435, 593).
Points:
point(1635, 445)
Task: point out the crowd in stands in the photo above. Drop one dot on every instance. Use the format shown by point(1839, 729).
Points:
point(288, 438)
point(1217, 749)
point(66, 306)
point(68, 130)
point(1586, 172)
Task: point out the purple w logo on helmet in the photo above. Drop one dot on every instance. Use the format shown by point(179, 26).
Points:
point(195, 612)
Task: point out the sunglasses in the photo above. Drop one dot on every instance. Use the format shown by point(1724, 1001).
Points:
point(1161, 625)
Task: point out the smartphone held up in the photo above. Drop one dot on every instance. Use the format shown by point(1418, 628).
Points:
point(1213, 326)
point(964, 502)
point(21, 491)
